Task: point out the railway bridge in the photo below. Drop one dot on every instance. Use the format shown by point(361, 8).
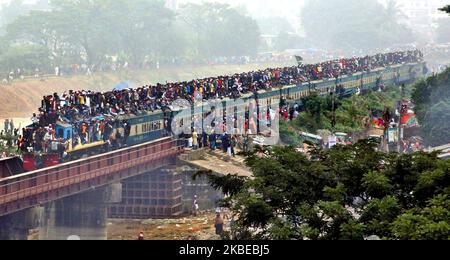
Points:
point(131, 182)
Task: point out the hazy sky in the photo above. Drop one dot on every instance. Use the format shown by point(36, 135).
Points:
point(7, 1)
point(262, 7)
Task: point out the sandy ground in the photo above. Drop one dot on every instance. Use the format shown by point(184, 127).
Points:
point(217, 161)
point(200, 228)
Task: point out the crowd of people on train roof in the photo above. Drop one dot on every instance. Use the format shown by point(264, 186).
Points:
point(88, 111)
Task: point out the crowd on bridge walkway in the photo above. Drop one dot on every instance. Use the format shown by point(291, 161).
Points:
point(93, 115)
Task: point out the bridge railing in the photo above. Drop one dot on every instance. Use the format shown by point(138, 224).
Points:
point(44, 185)
point(441, 148)
point(445, 151)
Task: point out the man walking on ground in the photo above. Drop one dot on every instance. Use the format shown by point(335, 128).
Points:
point(218, 223)
point(195, 206)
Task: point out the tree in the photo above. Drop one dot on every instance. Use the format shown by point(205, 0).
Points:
point(348, 192)
point(353, 24)
point(9, 12)
point(220, 31)
point(85, 24)
point(91, 32)
point(24, 56)
point(432, 100)
point(351, 114)
point(435, 125)
point(429, 223)
point(442, 31)
point(41, 29)
point(446, 9)
point(145, 30)
point(98, 29)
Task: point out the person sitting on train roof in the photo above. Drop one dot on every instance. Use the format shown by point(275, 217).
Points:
point(74, 107)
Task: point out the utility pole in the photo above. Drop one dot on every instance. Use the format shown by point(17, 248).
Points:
point(333, 120)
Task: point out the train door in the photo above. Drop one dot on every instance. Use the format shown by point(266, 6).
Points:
point(29, 162)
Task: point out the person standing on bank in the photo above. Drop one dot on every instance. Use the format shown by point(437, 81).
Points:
point(195, 206)
point(141, 236)
point(6, 126)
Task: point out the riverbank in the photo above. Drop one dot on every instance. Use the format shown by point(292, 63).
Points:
point(198, 228)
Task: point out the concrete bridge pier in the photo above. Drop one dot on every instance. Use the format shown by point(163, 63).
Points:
point(80, 217)
point(17, 226)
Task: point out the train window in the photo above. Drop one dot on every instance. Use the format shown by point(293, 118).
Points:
point(60, 133)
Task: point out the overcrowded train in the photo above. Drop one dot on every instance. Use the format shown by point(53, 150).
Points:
point(132, 129)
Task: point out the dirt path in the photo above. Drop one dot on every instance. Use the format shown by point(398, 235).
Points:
point(200, 228)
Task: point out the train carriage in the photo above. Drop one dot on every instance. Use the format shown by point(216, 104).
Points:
point(146, 128)
point(155, 125)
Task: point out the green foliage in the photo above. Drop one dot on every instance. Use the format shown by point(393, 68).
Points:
point(432, 100)
point(352, 230)
point(24, 56)
point(9, 12)
point(351, 113)
point(288, 135)
point(220, 31)
point(137, 31)
point(354, 24)
point(446, 9)
point(256, 213)
point(379, 214)
point(229, 185)
point(294, 197)
point(430, 223)
point(377, 184)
